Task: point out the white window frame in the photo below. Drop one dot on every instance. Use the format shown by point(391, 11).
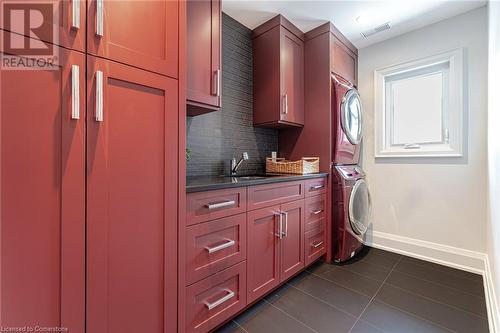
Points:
point(453, 108)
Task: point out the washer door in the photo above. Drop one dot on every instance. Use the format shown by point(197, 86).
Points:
point(352, 116)
point(360, 207)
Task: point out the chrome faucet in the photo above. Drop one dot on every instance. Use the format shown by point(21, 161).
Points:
point(236, 165)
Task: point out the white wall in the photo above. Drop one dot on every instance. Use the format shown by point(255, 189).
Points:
point(493, 228)
point(421, 204)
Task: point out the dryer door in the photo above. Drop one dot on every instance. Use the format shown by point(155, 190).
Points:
point(352, 116)
point(359, 207)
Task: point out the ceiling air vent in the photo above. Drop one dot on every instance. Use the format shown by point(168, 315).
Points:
point(380, 28)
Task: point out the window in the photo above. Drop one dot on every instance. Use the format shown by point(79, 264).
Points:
point(419, 108)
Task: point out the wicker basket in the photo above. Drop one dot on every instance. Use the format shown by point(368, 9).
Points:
point(304, 166)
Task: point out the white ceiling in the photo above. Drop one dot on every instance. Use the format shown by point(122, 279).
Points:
point(403, 15)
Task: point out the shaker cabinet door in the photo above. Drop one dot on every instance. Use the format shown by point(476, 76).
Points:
point(43, 194)
point(131, 199)
point(292, 78)
point(263, 252)
point(204, 76)
point(64, 21)
point(292, 248)
point(140, 33)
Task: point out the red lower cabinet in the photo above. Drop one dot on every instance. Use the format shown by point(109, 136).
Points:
point(215, 299)
point(275, 251)
point(131, 199)
point(42, 222)
point(214, 246)
point(263, 251)
point(314, 244)
point(292, 242)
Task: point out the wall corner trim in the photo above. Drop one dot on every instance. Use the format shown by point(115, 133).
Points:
point(467, 260)
point(491, 297)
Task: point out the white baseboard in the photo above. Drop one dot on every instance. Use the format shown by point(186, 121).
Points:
point(491, 298)
point(471, 261)
point(466, 260)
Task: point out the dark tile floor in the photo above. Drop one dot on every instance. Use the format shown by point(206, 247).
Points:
point(378, 292)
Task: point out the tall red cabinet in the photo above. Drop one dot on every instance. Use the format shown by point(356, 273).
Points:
point(42, 199)
point(89, 187)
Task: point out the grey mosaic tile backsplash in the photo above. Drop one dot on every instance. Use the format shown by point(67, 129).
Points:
point(216, 137)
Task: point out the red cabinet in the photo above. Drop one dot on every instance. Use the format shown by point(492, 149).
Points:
point(131, 199)
point(215, 245)
point(292, 247)
point(215, 299)
point(278, 60)
point(204, 76)
point(275, 252)
point(144, 34)
point(43, 195)
point(68, 18)
point(264, 251)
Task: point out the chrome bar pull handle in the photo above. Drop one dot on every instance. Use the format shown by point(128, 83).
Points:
point(99, 18)
point(228, 243)
point(216, 83)
point(285, 103)
point(317, 244)
point(220, 204)
point(280, 225)
point(316, 187)
point(75, 92)
point(99, 98)
point(319, 211)
point(230, 294)
point(75, 12)
point(285, 215)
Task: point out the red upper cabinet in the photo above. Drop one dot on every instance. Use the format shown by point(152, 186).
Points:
point(204, 76)
point(278, 72)
point(131, 199)
point(343, 59)
point(43, 194)
point(68, 20)
point(144, 34)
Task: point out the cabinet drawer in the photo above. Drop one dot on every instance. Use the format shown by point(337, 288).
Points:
point(273, 194)
point(215, 299)
point(215, 245)
point(314, 244)
point(211, 205)
point(315, 186)
point(315, 212)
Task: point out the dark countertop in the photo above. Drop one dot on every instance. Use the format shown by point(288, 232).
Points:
point(208, 183)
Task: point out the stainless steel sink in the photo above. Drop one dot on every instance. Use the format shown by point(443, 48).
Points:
point(250, 177)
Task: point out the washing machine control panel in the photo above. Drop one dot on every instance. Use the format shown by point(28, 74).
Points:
point(350, 171)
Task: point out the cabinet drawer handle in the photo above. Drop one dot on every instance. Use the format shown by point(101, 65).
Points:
point(75, 12)
point(316, 187)
point(99, 18)
point(75, 92)
point(279, 234)
point(285, 103)
point(216, 83)
point(99, 99)
point(319, 211)
point(230, 294)
point(220, 204)
point(317, 244)
point(285, 233)
point(217, 248)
